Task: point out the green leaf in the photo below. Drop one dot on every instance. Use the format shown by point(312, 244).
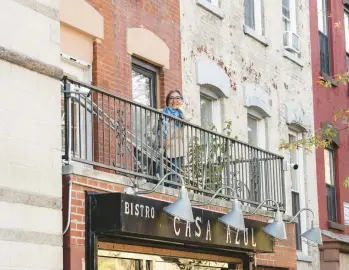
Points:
point(346, 182)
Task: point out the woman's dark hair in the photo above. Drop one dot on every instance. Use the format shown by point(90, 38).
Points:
point(172, 91)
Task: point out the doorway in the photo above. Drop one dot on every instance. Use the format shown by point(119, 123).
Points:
point(115, 260)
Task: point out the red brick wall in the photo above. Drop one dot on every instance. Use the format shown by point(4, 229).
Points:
point(327, 102)
point(112, 63)
point(74, 239)
point(112, 68)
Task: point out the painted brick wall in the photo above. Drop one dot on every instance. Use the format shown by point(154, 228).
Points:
point(74, 239)
point(327, 101)
point(246, 60)
point(112, 66)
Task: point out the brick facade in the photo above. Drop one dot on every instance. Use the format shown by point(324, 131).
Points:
point(112, 63)
point(327, 101)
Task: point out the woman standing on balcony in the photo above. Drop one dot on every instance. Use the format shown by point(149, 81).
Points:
point(173, 132)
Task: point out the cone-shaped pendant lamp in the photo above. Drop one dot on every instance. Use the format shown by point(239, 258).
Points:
point(181, 208)
point(277, 229)
point(234, 218)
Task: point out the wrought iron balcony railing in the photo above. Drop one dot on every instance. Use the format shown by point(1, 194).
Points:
point(113, 133)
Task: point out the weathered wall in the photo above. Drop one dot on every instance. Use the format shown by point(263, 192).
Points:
point(207, 37)
point(327, 101)
point(30, 156)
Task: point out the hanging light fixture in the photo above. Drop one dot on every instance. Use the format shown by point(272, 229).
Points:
point(314, 233)
point(181, 208)
point(277, 228)
point(234, 218)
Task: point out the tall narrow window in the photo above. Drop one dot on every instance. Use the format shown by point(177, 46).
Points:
point(346, 29)
point(257, 129)
point(144, 82)
point(290, 38)
point(253, 15)
point(324, 42)
point(206, 110)
point(81, 110)
point(253, 130)
point(330, 179)
point(144, 90)
point(295, 181)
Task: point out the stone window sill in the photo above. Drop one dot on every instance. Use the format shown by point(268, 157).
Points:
point(303, 257)
point(328, 78)
point(294, 58)
point(336, 226)
point(253, 34)
point(211, 8)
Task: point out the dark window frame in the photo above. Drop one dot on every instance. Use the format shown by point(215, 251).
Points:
point(325, 45)
point(331, 189)
point(151, 72)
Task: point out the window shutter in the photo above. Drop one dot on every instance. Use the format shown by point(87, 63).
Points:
point(249, 13)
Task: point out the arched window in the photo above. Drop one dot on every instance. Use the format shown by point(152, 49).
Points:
point(257, 125)
point(214, 85)
point(258, 106)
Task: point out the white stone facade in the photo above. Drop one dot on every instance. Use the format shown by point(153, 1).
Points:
point(30, 142)
point(254, 72)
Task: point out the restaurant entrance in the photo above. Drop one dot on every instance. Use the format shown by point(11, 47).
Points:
point(129, 232)
point(116, 260)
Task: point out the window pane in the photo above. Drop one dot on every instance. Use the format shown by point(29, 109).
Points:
point(286, 8)
point(206, 111)
point(286, 15)
point(86, 128)
point(322, 15)
point(294, 160)
point(331, 203)
point(286, 23)
point(329, 167)
point(295, 209)
point(141, 88)
point(324, 53)
point(346, 25)
point(249, 13)
point(252, 124)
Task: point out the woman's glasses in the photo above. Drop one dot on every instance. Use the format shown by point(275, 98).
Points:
point(175, 98)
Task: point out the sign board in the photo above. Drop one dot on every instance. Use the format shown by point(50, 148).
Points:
point(346, 213)
point(119, 213)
